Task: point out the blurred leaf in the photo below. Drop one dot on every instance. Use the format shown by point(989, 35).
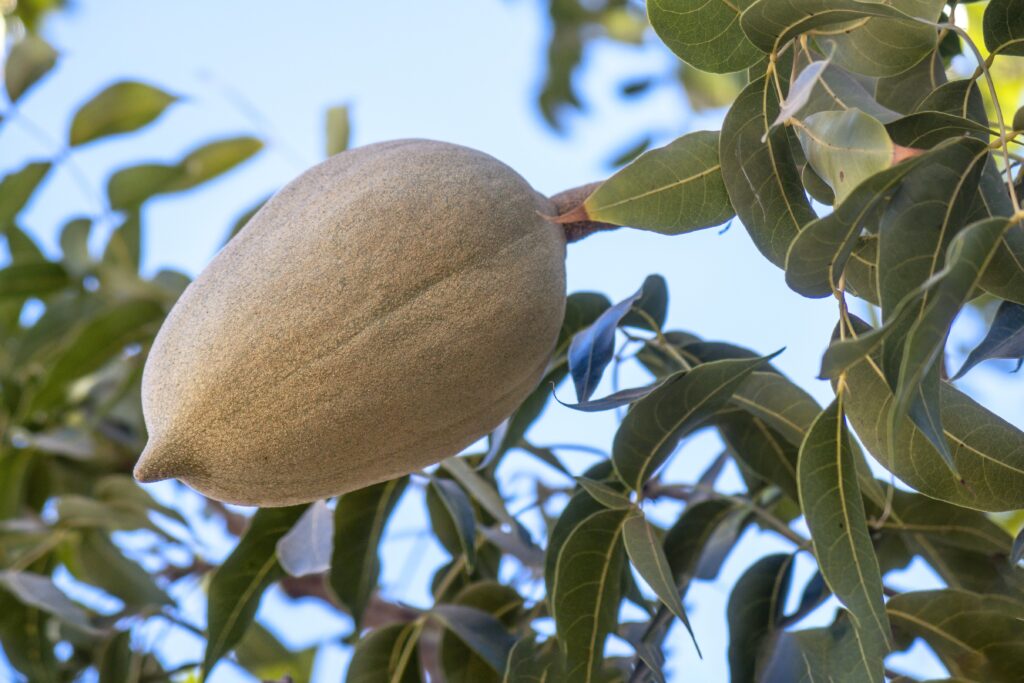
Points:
point(338, 130)
point(988, 451)
point(706, 35)
point(16, 188)
point(754, 613)
point(23, 632)
point(482, 491)
point(651, 431)
point(526, 665)
point(459, 660)
point(39, 591)
point(631, 152)
point(834, 511)
point(262, 654)
point(645, 551)
point(1017, 553)
point(29, 60)
point(1005, 338)
point(93, 558)
point(460, 511)
point(478, 630)
point(1004, 27)
point(845, 148)
point(74, 243)
point(117, 663)
point(306, 548)
point(387, 654)
point(120, 108)
point(245, 218)
point(975, 636)
point(99, 340)
point(359, 521)
point(237, 586)
point(760, 173)
point(592, 349)
point(31, 279)
point(671, 190)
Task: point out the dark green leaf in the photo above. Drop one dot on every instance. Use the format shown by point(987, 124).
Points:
point(755, 609)
point(29, 60)
point(832, 505)
point(823, 655)
point(946, 524)
point(238, 584)
point(264, 656)
point(122, 107)
point(387, 655)
point(359, 521)
point(761, 449)
point(1005, 338)
point(651, 309)
point(1004, 27)
point(651, 431)
point(836, 89)
point(592, 349)
point(671, 190)
point(478, 630)
point(904, 92)
point(605, 495)
point(527, 665)
point(697, 543)
point(1017, 553)
point(460, 511)
point(31, 279)
point(459, 662)
point(706, 35)
point(26, 641)
point(306, 548)
point(760, 174)
point(93, 558)
point(39, 591)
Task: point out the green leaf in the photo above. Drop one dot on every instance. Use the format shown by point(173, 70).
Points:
point(605, 495)
point(74, 244)
point(95, 343)
point(39, 591)
point(579, 508)
point(16, 188)
point(460, 512)
point(117, 663)
point(527, 665)
point(306, 548)
point(480, 489)
point(761, 449)
point(120, 108)
point(988, 452)
point(651, 431)
point(836, 89)
point(1004, 27)
point(387, 655)
point(93, 558)
point(817, 257)
point(478, 630)
point(831, 501)
point(760, 173)
point(705, 35)
point(264, 656)
point(339, 130)
point(586, 592)
point(904, 92)
point(975, 636)
point(359, 521)
point(1005, 338)
point(831, 654)
point(645, 551)
point(238, 584)
point(671, 190)
point(593, 348)
point(24, 633)
point(755, 610)
point(845, 148)
point(946, 524)
point(458, 661)
point(23, 280)
point(697, 543)
point(779, 402)
point(30, 59)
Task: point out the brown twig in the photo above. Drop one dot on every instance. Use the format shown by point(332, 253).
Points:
point(573, 216)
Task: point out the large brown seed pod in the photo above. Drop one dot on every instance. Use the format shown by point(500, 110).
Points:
point(383, 311)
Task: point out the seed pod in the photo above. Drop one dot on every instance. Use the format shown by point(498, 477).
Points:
point(382, 312)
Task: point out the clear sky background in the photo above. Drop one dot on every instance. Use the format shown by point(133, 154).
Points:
point(465, 71)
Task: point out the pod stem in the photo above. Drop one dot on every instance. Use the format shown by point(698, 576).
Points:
point(572, 214)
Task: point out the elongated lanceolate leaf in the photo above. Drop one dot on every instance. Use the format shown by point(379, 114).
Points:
point(651, 431)
point(478, 630)
point(706, 35)
point(387, 655)
point(671, 190)
point(1005, 338)
point(592, 349)
point(754, 612)
point(460, 511)
point(834, 510)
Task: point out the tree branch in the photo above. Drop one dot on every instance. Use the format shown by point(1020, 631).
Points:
point(573, 217)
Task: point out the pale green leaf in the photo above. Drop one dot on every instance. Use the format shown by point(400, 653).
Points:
point(845, 148)
point(122, 107)
point(30, 59)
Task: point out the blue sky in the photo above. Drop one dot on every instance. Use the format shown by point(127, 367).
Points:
point(463, 71)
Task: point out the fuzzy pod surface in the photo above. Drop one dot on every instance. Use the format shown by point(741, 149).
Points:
point(380, 313)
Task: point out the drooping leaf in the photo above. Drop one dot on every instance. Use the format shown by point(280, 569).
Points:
point(39, 591)
point(834, 510)
point(831, 654)
point(359, 521)
point(651, 309)
point(120, 108)
point(836, 89)
point(651, 431)
point(479, 631)
point(459, 660)
point(698, 542)
point(988, 452)
point(592, 349)
point(946, 524)
point(237, 586)
point(774, 398)
point(760, 174)
point(339, 129)
point(671, 190)
point(845, 148)
point(16, 188)
point(480, 489)
point(975, 636)
point(755, 611)
point(460, 512)
point(1005, 338)
point(22, 280)
point(306, 548)
point(618, 399)
point(1004, 27)
point(30, 59)
point(585, 592)
point(389, 654)
point(93, 558)
point(648, 558)
point(706, 35)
